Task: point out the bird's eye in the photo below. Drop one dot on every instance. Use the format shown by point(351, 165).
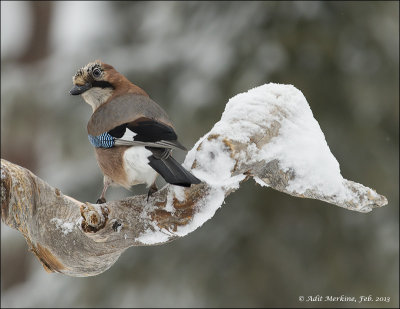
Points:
point(96, 73)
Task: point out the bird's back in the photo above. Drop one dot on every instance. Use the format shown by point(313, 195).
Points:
point(124, 109)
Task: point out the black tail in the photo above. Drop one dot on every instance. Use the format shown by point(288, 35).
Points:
point(170, 169)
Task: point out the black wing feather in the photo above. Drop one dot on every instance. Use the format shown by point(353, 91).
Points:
point(152, 131)
point(119, 131)
point(148, 131)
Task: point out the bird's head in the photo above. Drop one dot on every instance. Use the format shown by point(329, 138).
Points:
point(98, 81)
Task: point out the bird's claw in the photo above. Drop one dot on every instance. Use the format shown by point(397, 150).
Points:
point(101, 200)
point(152, 189)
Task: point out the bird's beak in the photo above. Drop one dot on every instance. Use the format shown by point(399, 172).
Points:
point(80, 89)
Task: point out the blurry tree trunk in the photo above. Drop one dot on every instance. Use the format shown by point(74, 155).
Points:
point(37, 47)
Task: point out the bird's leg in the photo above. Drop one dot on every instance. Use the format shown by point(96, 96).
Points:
point(106, 183)
point(153, 188)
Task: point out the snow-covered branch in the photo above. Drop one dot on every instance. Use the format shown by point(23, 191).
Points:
point(268, 134)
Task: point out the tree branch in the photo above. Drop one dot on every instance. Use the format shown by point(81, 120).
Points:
point(268, 134)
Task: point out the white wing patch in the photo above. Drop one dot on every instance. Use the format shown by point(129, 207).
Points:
point(128, 136)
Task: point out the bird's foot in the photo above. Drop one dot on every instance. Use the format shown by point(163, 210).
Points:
point(101, 200)
point(152, 190)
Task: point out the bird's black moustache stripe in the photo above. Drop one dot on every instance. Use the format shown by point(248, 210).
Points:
point(102, 84)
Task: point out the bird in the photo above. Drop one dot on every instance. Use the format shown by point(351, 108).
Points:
point(132, 135)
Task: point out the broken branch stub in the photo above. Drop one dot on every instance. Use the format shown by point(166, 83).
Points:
point(268, 134)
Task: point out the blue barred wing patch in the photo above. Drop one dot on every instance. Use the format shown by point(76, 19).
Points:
point(104, 140)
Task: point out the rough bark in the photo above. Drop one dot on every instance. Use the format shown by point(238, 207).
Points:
point(84, 239)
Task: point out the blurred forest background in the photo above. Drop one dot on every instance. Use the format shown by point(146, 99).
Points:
point(263, 248)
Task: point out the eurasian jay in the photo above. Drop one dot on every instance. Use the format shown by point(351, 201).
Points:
point(132, 135)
